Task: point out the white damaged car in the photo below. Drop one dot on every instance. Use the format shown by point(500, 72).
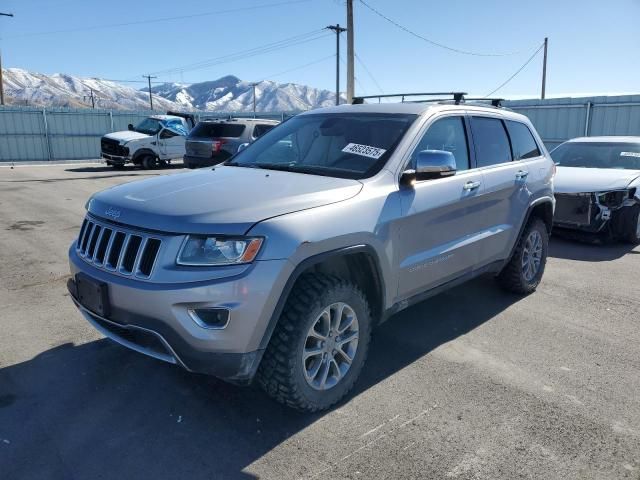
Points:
point(597, 186)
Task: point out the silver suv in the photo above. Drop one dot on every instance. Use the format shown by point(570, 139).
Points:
point(214, 141)
point(277, 265)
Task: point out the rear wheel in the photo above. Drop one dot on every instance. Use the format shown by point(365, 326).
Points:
point(319, 346)
point(525, 268)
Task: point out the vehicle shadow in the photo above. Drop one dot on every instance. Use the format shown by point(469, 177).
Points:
point(568, 249)
point(98, 410)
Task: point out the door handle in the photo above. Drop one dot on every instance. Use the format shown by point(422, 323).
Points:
point(471, 185)
point(521, 175)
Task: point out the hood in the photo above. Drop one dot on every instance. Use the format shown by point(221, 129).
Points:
point(224, 200)
point(126, 136)
point(579, 180)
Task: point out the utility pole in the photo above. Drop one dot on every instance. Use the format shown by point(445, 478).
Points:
point(1, 80)
point(350, 54)
point(149, 77)
point(336, 28)
point(93, 102)
point(544, 68)
point(254, 98)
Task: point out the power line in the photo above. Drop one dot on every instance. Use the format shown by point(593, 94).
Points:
point(433, 42)
point(155, 20)
point(369, 73)
point(246, 53)
point(517, 72)
point(300, 67)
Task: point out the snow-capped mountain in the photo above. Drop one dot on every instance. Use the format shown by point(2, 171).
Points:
point(59, 90)
point(230, 94)
point(227, 94)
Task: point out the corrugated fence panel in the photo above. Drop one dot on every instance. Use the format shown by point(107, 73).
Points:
point(22, 135)
point(26, 133)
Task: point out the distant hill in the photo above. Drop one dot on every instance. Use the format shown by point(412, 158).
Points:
point(226, 94)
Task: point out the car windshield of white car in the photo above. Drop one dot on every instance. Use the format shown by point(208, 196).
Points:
point(598, 155)
point(350, 145)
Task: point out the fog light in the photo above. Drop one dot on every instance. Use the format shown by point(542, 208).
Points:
point(213, 318)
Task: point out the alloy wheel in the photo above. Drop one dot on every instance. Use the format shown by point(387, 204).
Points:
point(330, 346)
point(532, 255)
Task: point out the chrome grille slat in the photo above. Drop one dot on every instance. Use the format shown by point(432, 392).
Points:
point(133, 249)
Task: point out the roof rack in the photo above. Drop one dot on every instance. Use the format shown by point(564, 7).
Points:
point(495, 102)
point(457, 96)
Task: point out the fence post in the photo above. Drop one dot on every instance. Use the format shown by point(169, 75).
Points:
point(587, 119)
point(46, 133)
point(111, 119)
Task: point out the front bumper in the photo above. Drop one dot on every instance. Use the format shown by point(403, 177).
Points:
point(586, 212)
point(115, 159)
point(153, 318)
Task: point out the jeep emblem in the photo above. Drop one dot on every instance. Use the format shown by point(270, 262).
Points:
point(113, 213)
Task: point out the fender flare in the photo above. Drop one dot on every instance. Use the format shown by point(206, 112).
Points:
point(532, 206)
point(310, 262)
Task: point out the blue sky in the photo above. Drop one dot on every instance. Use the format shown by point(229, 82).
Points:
point(593, 45)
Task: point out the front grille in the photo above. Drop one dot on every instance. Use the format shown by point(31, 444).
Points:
point(113, 147)
point(116, 249)
point(573, 208)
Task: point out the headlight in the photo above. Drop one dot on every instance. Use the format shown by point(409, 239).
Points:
point(203, 250)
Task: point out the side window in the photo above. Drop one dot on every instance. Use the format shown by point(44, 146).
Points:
point(522, 142)
point(490, 141)
point(166, 133)
point(446, 134)
point(261, 129)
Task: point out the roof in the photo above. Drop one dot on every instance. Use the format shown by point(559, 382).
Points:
point(418, 108)
point(165, 117)
point(607, 139)
point(240, 119)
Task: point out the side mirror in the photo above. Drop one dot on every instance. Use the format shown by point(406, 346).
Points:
point(130, 127)
point(430, 165)
point(242, 146)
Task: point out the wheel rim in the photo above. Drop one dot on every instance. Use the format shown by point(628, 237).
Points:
point(532, 256)
point(330, 346)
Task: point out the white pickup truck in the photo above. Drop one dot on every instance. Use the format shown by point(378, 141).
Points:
point(155, 141)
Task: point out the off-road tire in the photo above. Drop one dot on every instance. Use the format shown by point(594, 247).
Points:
point(281, 370)
point(512, 277)
point(629, 225)
point(149, 162)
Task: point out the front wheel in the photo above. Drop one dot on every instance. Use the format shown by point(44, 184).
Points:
point(149, 162)
point(525, 268)
point(631, 225)
point(319, 346)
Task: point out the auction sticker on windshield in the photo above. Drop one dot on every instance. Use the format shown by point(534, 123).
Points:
point(364, 150)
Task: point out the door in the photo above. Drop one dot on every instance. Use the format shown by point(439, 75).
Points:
point(171, 143)
point(503, 154)
point(440, 225)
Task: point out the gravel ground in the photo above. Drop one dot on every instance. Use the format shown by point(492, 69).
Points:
point(471, 384)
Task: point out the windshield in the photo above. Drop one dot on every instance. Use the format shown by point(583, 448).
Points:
point(355, 145)
point(598, 155)
point(214, 130)
point(149, 126)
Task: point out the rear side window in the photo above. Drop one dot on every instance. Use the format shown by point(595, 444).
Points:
point(522, 141)
point(261, 129)
point(490, 141)
point(446, 134)
point(214, 130)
